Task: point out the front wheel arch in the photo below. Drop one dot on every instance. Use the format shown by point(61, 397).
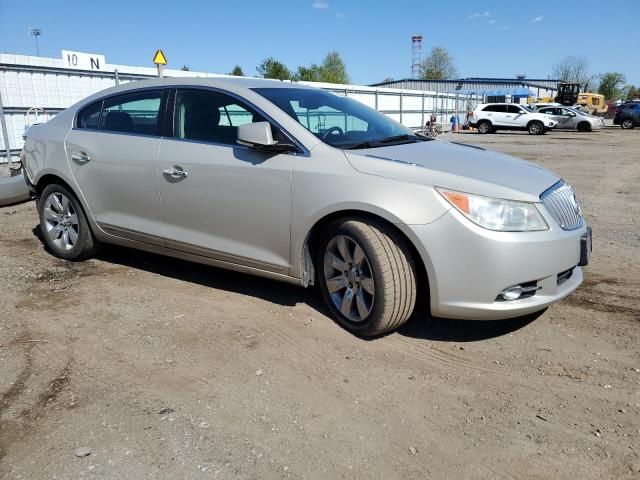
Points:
point(315, 234)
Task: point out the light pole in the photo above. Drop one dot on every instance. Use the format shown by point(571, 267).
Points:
point(36, 32)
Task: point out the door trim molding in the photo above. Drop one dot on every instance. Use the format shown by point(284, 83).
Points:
point(225, 259)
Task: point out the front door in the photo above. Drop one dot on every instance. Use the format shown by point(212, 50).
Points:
point(221, 199)
point(112, 151)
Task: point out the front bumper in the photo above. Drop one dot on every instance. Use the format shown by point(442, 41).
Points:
point(468, 266)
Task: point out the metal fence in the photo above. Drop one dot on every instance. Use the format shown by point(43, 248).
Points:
point(34, 89)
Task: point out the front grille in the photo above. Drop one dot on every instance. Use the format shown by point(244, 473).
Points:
point(563, 206)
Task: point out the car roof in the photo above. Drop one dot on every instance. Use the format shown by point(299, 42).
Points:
point(222, 81)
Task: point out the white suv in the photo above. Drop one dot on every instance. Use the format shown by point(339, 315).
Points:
point(489, 117)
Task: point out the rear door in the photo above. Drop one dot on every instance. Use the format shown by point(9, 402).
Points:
point(497, 114)
point(112, 151)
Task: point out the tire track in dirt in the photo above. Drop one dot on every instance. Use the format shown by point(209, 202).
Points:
point(15, 429)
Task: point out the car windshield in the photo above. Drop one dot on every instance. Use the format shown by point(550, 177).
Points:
point(339, 121)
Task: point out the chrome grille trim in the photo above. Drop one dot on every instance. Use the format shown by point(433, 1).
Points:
point(561, 202)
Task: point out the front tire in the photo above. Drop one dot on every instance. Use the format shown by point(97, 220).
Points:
point(628, 123)
point(584, 127)
point(535, 128)
point(64, 225)
point(367, 276)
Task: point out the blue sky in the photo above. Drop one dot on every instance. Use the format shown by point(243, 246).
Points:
point(486, 38)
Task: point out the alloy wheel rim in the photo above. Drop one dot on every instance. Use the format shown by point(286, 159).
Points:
point(535, 128)
point(349, 278)
point(61, 221)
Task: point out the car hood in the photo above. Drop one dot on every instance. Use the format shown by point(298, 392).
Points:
point(460, 167)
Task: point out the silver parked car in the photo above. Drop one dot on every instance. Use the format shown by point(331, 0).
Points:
point(305, 186)
point(572, 119)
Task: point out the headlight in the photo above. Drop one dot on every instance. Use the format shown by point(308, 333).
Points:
point(496, 214)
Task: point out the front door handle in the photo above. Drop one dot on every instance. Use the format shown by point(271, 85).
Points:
point(175, 173)
point(82, 157)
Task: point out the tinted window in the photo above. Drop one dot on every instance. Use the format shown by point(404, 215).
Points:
point(514, 109)
point(89, 116)
point(339, 121)
point(211, 116)
point(132, 113)
point(494, 108)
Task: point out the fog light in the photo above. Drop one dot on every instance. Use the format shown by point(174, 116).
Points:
point(512, 293)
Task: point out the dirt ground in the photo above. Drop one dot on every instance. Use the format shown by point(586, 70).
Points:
point(165, 369)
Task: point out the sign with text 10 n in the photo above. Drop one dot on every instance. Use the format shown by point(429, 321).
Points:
point(83, 61)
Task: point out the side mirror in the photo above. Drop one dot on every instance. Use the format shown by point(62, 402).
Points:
point(259, 137)
point(571, 114)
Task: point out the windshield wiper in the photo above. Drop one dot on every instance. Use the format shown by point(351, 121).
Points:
point(384, 141)
point(397, 138)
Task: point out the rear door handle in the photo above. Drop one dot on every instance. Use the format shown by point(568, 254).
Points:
point(82, 157)
point(175, 173)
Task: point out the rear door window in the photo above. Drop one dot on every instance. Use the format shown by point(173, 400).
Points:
point(89, 116)
point(135, 113)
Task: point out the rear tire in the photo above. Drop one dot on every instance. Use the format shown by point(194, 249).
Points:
point(367, 276)
point(64, 225)
point(535, 128)
point(484, 127)
point(628, 123)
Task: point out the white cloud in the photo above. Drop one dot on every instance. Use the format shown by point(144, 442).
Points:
point(320, 5)
point(505, 28)
point(341, 16)
point(537, 19)
point(479, 14)
point(491, 22)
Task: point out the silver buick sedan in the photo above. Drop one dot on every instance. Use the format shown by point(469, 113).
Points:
point(305, 186)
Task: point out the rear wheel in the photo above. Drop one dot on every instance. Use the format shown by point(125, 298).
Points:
point(627, 123)
point(535, 128)
point(64, 225)
point(484, 126)
point(367, 276)
point(584, 127)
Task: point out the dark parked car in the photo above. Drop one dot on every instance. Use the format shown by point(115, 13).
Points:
point(628, 115)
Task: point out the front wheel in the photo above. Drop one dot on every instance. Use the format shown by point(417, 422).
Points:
point(535, 128)
point(367, 276)
point(584, 127)
point(64, 225)
point(627, 123)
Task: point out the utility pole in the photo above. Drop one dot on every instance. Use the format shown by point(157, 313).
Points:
point(36, 32)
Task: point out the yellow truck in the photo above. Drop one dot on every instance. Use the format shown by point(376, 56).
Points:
point(594, 102)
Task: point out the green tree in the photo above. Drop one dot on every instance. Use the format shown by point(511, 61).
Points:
point(309, 74)
point(630, 93)
point(333, 69)
point(272, 68)
point(237, 71)
point(610, 85)
point(388, 79)
point(439, 65)
point(185, 68)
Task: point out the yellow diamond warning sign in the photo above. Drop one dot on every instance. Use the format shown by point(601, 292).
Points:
point(159, 58)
